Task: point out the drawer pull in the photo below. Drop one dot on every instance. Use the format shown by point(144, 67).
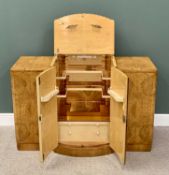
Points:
point(96, 26)
point(98, 133)
point(70, 132)
point(97, 124)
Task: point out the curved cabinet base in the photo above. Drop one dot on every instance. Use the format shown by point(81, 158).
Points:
point(87, 151)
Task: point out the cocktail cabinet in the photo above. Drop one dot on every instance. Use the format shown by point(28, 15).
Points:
point(84, 101)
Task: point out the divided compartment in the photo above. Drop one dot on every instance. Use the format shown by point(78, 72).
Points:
point(83, 104)
point(84, 62)
point(89, 63)
point(83, 82)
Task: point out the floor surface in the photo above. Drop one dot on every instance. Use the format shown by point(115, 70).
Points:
point(13, 162)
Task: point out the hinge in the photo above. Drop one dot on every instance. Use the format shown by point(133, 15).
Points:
point(114, 62)
point(124, 119)
point(40, 118)
point(39, 80)
point(43, 157)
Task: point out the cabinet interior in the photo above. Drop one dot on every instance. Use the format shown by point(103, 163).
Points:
point(83, 82)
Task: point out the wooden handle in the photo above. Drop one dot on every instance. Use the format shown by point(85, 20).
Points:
point(96, 26)
point(71, 26)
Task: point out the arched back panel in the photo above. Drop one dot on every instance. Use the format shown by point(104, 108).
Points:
point(84, 34)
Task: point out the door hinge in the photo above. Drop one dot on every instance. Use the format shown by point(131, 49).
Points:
point(43, 157)
point(39, 80)
point(40, 118)
point(124, 119)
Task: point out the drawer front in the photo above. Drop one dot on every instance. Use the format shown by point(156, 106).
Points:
point(84, 132)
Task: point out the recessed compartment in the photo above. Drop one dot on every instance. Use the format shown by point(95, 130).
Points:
point(83, 82)
point(84, 104)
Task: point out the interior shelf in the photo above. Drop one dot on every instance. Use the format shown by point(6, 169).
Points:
point(87, 118)
point(117, 94)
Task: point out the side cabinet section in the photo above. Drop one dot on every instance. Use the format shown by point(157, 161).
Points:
point(23, 82)
point(25, 109)
point(142, 75)
point(141, 106)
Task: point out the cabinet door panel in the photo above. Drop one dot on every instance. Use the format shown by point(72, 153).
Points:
point(118, 113)
point(47, 111)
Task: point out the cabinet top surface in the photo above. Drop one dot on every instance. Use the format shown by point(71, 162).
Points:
point(135, 64)
point(32, 63)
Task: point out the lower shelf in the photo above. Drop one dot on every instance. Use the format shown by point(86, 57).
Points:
point(85, 118)
point(84, 144)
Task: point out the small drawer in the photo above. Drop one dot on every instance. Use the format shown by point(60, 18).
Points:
point(84, 133)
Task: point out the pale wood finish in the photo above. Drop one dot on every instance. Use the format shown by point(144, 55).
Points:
point(118, 114)
point(23, 75)
point(89, 76)
point(50, 95)
point(85, 143)
point(142, 75)
point(84, 133)
point(76, 60)
point(117, 94)
point(88, 63)
point(47, 112)
point(84, 76)
point(54, 61)
point(84, 34)
point(114, 61)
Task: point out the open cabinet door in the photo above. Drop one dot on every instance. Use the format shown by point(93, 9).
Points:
point(118, 112)
point(47, 111)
